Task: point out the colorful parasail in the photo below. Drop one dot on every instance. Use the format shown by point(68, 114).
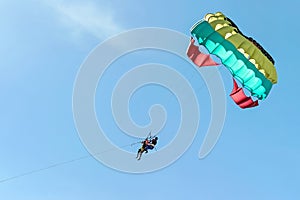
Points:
point(249, 63)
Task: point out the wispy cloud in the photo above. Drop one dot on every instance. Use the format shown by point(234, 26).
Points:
point(87, 16)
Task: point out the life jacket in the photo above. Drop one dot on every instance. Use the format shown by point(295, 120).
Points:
point(145, 144)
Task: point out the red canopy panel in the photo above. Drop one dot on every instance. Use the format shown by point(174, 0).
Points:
point(239, 97)
point(200, 59)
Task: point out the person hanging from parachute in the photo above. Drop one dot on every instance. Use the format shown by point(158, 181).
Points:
point(142, 149)
point(148, 143)
point(152, 144)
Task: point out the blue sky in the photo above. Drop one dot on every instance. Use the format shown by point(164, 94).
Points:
point(44, 43)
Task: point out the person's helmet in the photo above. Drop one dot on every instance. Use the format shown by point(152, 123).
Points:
point(156, 138)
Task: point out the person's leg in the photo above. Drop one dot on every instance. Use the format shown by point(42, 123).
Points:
point(139, 151)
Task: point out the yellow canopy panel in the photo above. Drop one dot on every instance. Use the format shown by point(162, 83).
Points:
point(230, 32)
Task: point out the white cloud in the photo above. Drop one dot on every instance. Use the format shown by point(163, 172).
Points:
point(87, 16)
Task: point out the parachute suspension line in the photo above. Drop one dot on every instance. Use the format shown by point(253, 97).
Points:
point(148, 137)
point(200, 87)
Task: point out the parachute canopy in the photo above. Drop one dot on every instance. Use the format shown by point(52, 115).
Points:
point(246, 59)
